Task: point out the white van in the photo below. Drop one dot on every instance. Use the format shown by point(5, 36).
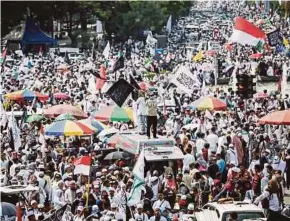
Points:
point(243, 210)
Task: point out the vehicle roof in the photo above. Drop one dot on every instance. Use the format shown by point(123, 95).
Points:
point(237, 206)
point(14, 189)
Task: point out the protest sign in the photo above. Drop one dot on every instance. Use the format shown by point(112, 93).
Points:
point(273, 37)
point(184, 80)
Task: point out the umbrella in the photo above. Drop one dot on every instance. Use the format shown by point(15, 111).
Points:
point(256, 56)
point(261, 95)
point(66, 116)
point(68, 128)
point(56, 110)
point(7, 209)
point(61, 96)
point(116, 156)
point(112, 141)
point(94, 123)
point(114, 113)
point(34, 118)
point(107, 132)
point(276, 118)
point(26, 94)
point(208, 103)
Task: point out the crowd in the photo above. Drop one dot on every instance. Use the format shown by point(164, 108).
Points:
point(227, 155)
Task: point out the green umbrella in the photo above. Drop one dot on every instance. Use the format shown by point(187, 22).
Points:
point(66, 116)
point(34, 118)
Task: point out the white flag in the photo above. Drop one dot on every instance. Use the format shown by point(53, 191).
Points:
point(99, 27)
point(169, 24)
point(106, 51)
point(138, 185)
point(4, 118)
point(185, 80)
point(15, 132)
point(151, 41)
point(284, 81)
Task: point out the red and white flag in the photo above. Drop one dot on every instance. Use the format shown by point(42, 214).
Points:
point(82, 165)
point(246, 33)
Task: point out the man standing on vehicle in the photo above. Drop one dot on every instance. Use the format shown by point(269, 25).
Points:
point(141, 113)
point(151, 105)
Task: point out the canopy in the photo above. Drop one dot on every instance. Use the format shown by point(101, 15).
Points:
point(276, 118)
point(34, 35)
point(30, 33)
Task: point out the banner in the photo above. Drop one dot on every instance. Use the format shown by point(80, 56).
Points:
point(15, 132)
point(151, 41)
point(274, 38)
point(184, 80)
point(120, 91)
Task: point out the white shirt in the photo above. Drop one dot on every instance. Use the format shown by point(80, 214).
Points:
point(162, 204)
point(187, 160)
point(212, 139)
point(232, 156)
point(274, 203)
point(141, 104)
point(199, 145)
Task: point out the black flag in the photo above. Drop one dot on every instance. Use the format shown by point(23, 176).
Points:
point(136, 88)
point(119, 64)
point(274, 38)
point(119, 91)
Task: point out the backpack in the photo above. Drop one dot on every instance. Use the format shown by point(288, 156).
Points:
point(265, 202)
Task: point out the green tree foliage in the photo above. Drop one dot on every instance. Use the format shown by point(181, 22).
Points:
point(123, 18)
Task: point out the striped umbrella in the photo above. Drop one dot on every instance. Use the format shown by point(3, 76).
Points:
point(208, 103)
point(68, 128)
point(114, 113)
point(56, 110)
point(65, 116)
point(94, 123)
point(26, 94)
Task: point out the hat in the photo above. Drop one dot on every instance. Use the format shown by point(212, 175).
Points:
point(190, 206)
point(80, 208)
point(33, 201)
point(267, 151)
point(116, 172)
point(79, 191)
point(114, 205)
point(236, 169)
point(104, 170)
point(40, 166)
point(40, 206)
point(183, 197)
point(139, 206)
point(98, 174)
point(233, 162)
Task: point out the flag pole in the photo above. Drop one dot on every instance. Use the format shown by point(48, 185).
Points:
point(88, 185)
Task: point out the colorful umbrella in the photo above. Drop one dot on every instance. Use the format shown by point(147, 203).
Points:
point(61, 96)
point(256, 56)
point(117, 155)
point(276, 118)
point(26, 94)
point(114, 113)
point(66, 116)
point(68, 128)
point(112, 141)
point(34, 118)
point(261, 95)
point(208, 103)
point(94, 123)
point(56, 110)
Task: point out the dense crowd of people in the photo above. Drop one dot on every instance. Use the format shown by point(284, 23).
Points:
point(226, 155)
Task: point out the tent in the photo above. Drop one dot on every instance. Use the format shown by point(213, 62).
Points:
point(28, 34)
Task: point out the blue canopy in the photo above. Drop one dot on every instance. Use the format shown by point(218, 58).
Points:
point(34, 35)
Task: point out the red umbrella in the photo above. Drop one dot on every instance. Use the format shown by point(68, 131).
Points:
point(261, 95)
point(256, 56)
point(276, 118)
point(61, 96)
point(56, 110)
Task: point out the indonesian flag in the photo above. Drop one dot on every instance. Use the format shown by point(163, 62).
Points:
point(246, 33)
point(82, 165)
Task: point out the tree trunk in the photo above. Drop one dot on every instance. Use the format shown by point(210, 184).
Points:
point(83, 18)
